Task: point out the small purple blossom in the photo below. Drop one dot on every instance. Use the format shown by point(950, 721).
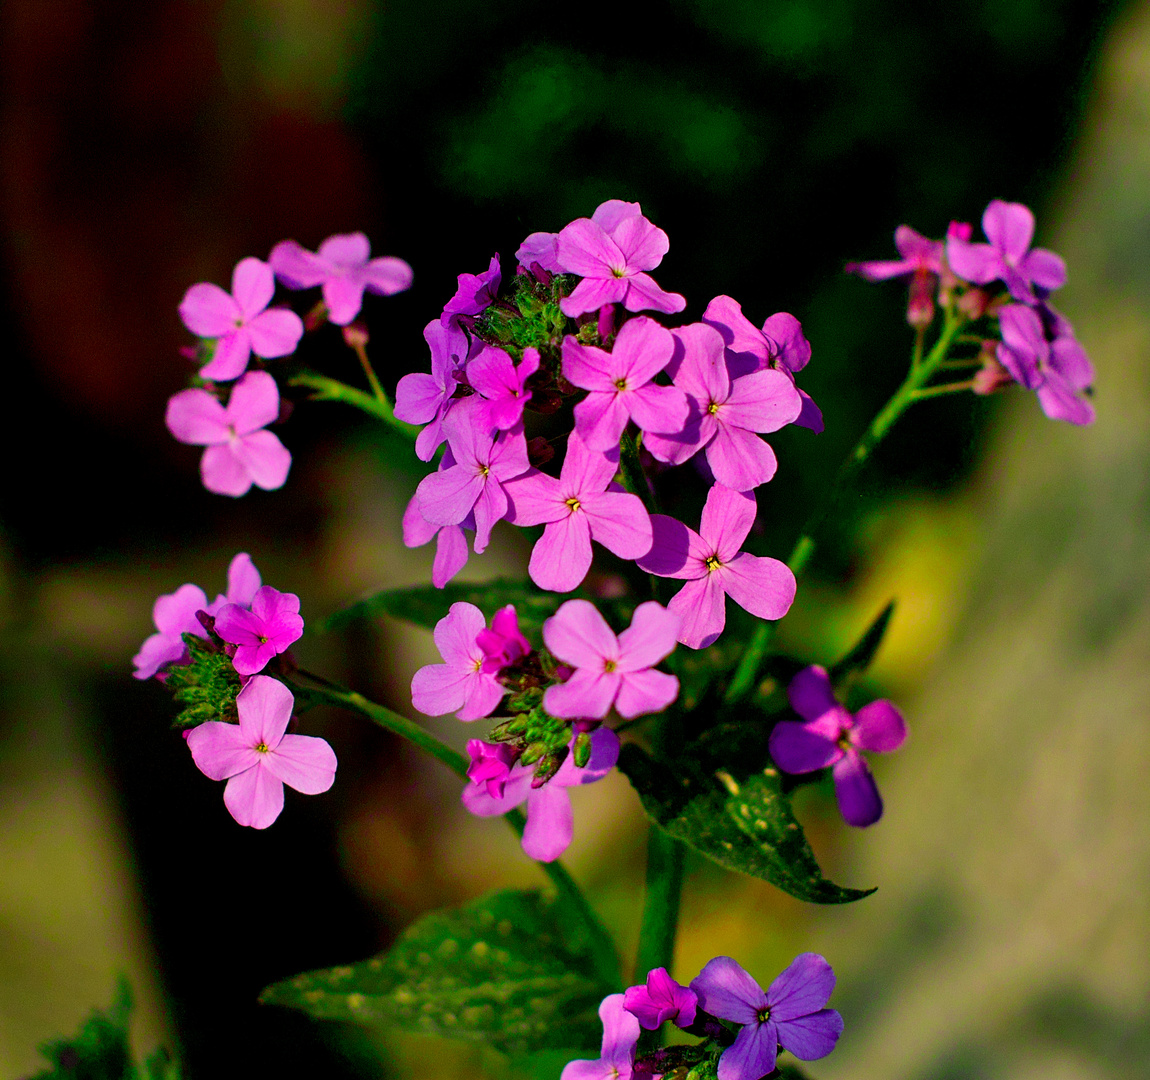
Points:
point(266, 630)
point(620, 384)
point(239, 451)
point(791, 1013)
point(503, 644)
point(459, 684)
point(550, 820)
point(425, 399)
point(257, 758)
point(830, 735)
point(238, 320)
point(714, 567)
point(493, 375)
point(490, 765)
point(1058, 371)
point(474, 295)
point(1008, 257)
point(344, 267)
point(617, 1055)
point(576, 509)
point(661, 999)
point(611, 670)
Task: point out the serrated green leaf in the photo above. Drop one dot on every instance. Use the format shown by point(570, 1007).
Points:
point(723, 797)
point(860, 656)
point(501, 970)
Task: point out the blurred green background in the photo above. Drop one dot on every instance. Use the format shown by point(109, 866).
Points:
point(148, 145)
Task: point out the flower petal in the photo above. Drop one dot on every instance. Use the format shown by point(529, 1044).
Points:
point(253, 285)
point(550, 823)
point(243, 580)
point(739, 459)
point(650, 638)
point(646, 691)
point(600, 419)
point(196, 417)
point(763, 586)
point(810, 693)
point(343, 296)
point(1009, 227)
point(701, 604)
point(856, 791)
point(618, 521)
point(578, 635)
point(676, 551)
point(811, 1037)
point(230, 356)
point(804, 987)
point(220, 750)
point(264, 458)
point(265, 707)
point(589, 693)
point(801, 748)
point(254, 403)
point(752, 1055)
point(295, 266)
point(879, 726)
point(274, 333)
point(303, 762)
point(254, 797)
point(562, 555)
point(222, 471)
point(387, 275)
point(727, 518)
point(208, 311)
point(726, 990)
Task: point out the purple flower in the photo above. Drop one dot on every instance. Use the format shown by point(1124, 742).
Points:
point(490, 765)
point(621, 387)
point(714, 567)
point(426, 399)
point(474, 484)
point(617, 1055)
point(344, 267)
point(503, 644)
point(780, 344)
point(790, 1014)
point(919, 255)
point(1057, 370)
point(238, 320)
point(660, 999)
point(611, 259)
point(450, 540)
point(1009, 227)
point(459, 684)
point(264, 631)
point(830, 735)
point(577, 508)
point(550, 822)
point(476, 293)
point(726, 413)
point(543, 248)
point(239, 451)
point(257, 758)
point(502, 384)
point(611, 670)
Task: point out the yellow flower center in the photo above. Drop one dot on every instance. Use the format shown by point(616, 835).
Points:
point(620, 384)
point(713, 563)
point(609, 665)
point(572, 504)
point(713, 408)
point(262, 748)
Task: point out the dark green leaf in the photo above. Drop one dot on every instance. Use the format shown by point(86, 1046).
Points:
point(500, 970)
point(860, 656)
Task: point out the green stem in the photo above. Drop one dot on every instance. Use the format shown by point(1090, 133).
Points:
point(945, 388)
point(634, 478)
point(661, 905)
point(327, 389)
point(910, 391)
point(369, 373)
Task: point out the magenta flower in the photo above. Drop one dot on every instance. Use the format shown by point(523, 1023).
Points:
point(474, 295)
point(1009, 227)
point(1058, 371)
point(503, 644)
point(714, 567)
point(450, 540)
point(239, 322)
point(726, 413)
point(257, 758)
point(504, 386)
point(617, 1055)
point(490, 765)
point(830, 735)
point(543, 248)
point(577, 508)
point(426, 399)
point(780, 344)
point(791, 1013)
point(611, 670)
point(550, 821)
point(621, 387)
point(474, 484)
point(612, 259)
point(239, 451)
point(264, 631)
point(661, 999)
point(919, 254)
point(344, 267)
point(459, 684)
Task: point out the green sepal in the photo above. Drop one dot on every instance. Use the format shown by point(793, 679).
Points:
point(503, 969)
point(206, 686)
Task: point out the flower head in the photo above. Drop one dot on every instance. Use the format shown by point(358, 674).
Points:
point(502, 385)
point(474, 295)
point(617, 1054)
point(266, 630)
point(1058, 371)
point(543, 248)
point(660, 999)
point(459, 684)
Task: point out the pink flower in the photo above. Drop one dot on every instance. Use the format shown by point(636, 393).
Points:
point(239, 451)
point(450, 540)
point(344, 267)
point(503, 644)
point(426, 399)
point(577, 508)
point(257, 758)
point(543, 248)
point(459, 684)
point(264, 631)
point(660, 999)
point(474, 295)
point(621, 387)
point(715, 568)
point(611, 670)
point(238, 320)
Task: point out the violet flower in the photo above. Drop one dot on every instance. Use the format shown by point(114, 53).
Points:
point(344, 267)
point(726, 413)
point(503, 644)
point(1009, 227)
point(550, 820)
point(661, 999)
point(257, 758)
point(543, 247)
point(1058, 371)
point(621, 387)
point(425, 399)
point(791, 1013)
point(830, 735)
point(239, 451)
point(450, 540)
point(266, 630)
point(577, 508)
point(714, 567)
point(503, 385)
point(474, 295)
point(459, 684)
point(611, 670)
point(238, 320)
point(617, 1055)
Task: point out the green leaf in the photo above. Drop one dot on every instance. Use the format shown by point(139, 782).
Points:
point(502, 970)
point(863, 653)
point(722, 796)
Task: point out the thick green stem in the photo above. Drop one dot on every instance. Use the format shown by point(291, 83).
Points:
point(327, 389)
point(910, 391)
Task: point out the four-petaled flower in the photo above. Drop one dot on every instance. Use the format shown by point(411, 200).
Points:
point(660, 999)
point(257, 758)
point(791, 1013)
point(265, 630)
point(459, 684)
point(830, 735)
point(1058, 371)
point(617, 1055)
